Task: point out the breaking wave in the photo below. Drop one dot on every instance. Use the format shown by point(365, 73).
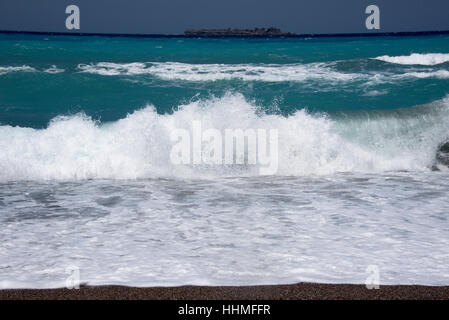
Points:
point(427, 59)
point(213, 72)
point(138, 146)
point(320, 72)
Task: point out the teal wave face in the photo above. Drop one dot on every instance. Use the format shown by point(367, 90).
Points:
point(42, 77)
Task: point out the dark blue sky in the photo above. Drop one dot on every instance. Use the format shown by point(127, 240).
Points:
point(175, 16)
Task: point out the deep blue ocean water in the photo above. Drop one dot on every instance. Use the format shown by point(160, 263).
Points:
point(86, 181)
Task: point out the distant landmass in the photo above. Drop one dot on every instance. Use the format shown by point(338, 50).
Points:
point(272, 31)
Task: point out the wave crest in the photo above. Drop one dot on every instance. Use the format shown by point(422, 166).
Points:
point(138, 146)
point(427, 59)
point(214, 72)
point(319, 72)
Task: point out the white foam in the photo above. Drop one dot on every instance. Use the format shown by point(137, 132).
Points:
point(114, 69)
point(214, 72)
point(9, 69)
point(320, 72)
point(390, 78)
point(439, 74)
point(427, 59)
point(226, 231)
point(53, 70)
point(25, 68)
point(139, 146)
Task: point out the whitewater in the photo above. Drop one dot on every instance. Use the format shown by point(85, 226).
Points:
point(138, 146)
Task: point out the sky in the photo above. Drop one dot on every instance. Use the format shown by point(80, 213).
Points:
point(176, 16)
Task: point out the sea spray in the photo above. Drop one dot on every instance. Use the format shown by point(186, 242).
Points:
point(139, 146)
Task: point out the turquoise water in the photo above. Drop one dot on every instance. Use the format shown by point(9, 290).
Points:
point(33, 98)
point(87, 181)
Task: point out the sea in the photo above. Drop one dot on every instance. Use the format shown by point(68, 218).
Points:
point(88, 191)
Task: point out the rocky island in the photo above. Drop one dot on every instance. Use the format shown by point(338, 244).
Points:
point(270, 32)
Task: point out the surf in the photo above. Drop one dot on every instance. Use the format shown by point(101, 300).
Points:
point(424, 59)
point(78, 147)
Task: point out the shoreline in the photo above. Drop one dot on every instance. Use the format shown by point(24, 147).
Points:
point(299, 291)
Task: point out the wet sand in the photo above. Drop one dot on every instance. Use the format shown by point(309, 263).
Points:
point(300, 291)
